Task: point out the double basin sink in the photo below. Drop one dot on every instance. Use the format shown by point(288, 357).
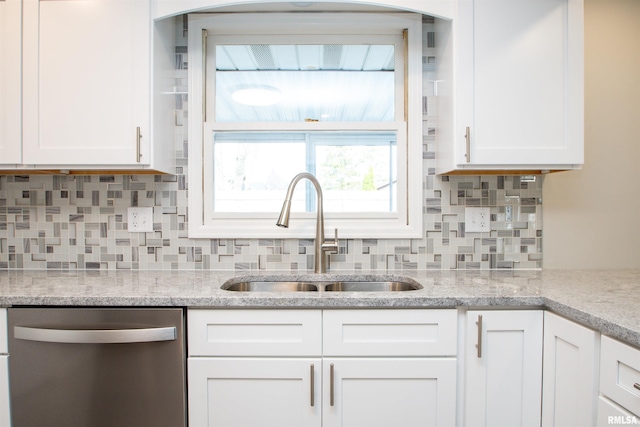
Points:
point(321, 286)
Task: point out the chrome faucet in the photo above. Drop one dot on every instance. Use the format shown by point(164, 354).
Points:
point(321, 245)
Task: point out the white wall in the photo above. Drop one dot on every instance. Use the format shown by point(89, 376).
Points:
point(592, 216)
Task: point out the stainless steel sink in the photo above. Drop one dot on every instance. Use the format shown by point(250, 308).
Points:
point(257, 286)
point(371, 287)
point(328, 286)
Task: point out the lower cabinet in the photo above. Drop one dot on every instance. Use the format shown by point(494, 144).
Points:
point(416, 392)
point(570, 373)
point(251, 392)
point(387, 368)
point(503, 368)
point(619, 401)
point(5, 408)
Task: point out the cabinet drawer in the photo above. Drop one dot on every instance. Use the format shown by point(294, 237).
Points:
point(254, 332)
point(620, 374)
point(609, 413)
point(390, 332)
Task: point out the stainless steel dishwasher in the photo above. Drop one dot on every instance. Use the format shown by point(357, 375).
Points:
point(97, 367)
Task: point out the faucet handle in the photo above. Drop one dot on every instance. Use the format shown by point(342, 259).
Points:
point(331, 246)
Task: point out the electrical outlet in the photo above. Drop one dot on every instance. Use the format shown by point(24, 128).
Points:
point(477, 219)
point(140, 219)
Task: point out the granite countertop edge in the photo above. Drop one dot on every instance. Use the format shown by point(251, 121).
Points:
point(605, 300)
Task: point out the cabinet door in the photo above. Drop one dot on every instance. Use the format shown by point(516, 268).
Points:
point(250, 392)
point(570, 373)
point(10, 36)
point(5, 411)
point(86, 82)
point(389, 392)
point(503, 368)
point(521, 83)
point(620, 374)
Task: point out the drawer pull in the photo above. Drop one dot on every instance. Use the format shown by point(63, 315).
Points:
point(312, 385)
point(636, 386)
point(331, 384)
point(467, 139)
point(138, 149)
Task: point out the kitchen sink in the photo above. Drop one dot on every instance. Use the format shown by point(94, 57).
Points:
point(370, 287)
point(326, 286)
point(265, 286)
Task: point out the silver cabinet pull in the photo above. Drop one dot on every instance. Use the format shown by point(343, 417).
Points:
point(205, 34)
point(100, 336)
point(467, 137)
point(636, 386)
point(331, 384)
point(138, 151)
point(479, 345)
point(312, 385)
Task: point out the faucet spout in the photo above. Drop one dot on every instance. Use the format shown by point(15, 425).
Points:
point(321, 246)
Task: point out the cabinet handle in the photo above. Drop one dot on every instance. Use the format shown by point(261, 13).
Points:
point(636, 386)
point(467, 137)
point(138, 137)
point(312, 385)
point(479, 345)
point(205, 34)
point(331, 384)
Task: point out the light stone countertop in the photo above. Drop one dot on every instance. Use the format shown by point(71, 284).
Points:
point(606, 300)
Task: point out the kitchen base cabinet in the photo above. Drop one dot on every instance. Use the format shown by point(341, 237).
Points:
point(372, 368)
point(5, 411)
point(503, 368)
point(377, 392)
point(5, 408)
point(619, 378)
point(570, 373)
point(611, 414)
point(250, 392)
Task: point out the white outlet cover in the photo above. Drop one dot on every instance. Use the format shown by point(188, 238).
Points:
point(477, 220)
point(140, 219)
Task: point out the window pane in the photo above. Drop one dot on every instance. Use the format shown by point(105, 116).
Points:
point(294, 83)
point(357, 178)
point(357, 170)
point(252, 170)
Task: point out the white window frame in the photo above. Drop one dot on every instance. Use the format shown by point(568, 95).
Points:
point(405, 223)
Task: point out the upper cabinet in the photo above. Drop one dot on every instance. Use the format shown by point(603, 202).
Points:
point(510, 86)
point(10, 37)
point(88, 87)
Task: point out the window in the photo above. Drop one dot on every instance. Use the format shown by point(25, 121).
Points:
point(338, 95)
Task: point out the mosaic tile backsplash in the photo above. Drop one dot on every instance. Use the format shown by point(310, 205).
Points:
point(80, 222)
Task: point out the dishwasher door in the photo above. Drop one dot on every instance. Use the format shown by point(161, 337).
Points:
point(97, 367)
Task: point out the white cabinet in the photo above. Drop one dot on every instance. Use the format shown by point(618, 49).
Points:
point(570, 373)
point(268, 367)
point(10, 37)
point(510, 86)
point(269, 392)
point(5, 411)
point(503, 368)
point(87, 87)
point(236, 378)
point(385, 392)
point(368, 381)
point(619, 381)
